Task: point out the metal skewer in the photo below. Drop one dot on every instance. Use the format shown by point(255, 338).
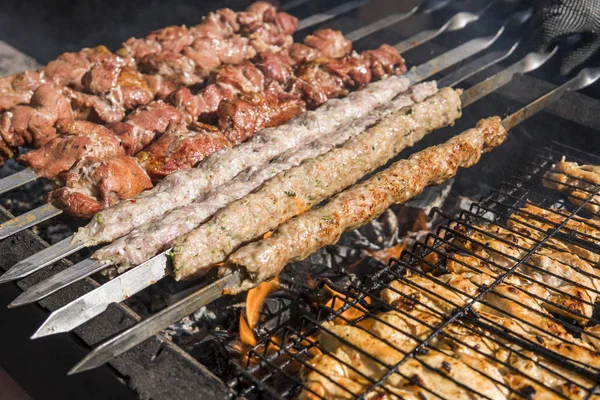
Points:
point(330, 14)
point(98, 299)
point(149, 327)
point(424, 71)
point(17, 179)
point(416, 75)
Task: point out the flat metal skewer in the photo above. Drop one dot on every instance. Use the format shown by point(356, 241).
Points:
point(87, 306)
point(330, 14)
point(149, 327)
point(17, 179)
point(424, 71)
point(41, 259)
point(89, 267)
point(27, 220)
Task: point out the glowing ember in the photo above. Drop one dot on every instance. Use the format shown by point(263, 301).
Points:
point(422, 222)
point(254, 301)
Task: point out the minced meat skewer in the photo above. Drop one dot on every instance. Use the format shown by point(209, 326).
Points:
point(301, 236)
point(149, 239)
point(296, 190)
point(183, 187)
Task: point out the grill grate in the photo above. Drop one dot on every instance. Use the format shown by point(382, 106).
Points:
point(520, 311)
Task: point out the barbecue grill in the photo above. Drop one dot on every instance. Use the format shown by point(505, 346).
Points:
point(196, 360)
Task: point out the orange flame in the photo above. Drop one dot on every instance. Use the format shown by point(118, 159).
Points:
point(254, 301)
point(354, 312)
point(384, 255)
point(421, 223)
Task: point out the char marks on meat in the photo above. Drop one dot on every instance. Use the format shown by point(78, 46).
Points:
point(182, 146)
point(77, 139)
point(97, 183)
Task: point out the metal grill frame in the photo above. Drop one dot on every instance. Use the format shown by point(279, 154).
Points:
point(263, 365)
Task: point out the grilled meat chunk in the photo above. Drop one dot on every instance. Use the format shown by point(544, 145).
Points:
point(97, 183)
point(144, 124)
point(33, 124)
point(18, 89)
point(182, 146)
point(78, 139)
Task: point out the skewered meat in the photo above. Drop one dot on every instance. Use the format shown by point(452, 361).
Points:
point(297, 190)
point(79, 139)
point(298, 238)
point(183, 187)
point(578, 181)
point(102, 86)
point(148, 239)
point(30, 124)
point(99, 173)
point(240, 117)
point(183, 147)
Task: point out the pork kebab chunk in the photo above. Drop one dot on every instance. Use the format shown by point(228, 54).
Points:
point(239, 118)
point(147, 240)
point(296, 190)
point(297, 238)
point(115, 178)
point(183, 187)
point(78, 139)
point(578, 181)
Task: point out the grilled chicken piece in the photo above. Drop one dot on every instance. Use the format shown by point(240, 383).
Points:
point(541, 274)
point(532, 228)
point(78, 139)
point(578, 181)
point(96, 183)
point(369, 354)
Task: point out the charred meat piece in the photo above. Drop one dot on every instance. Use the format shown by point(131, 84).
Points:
point(96, 183)
point(242, 117)
point(33, 124)
point(182, 146)
point(322, 43)
point(143, 125)
point(78, 139)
